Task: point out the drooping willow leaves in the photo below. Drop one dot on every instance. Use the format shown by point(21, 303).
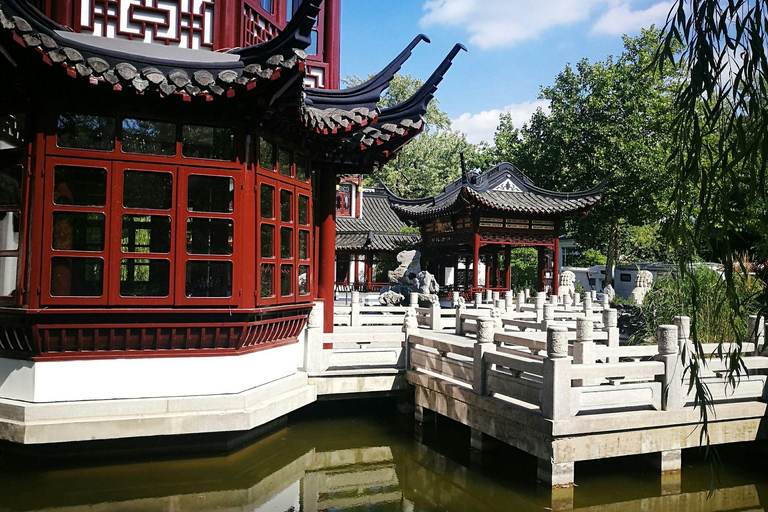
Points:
point(719, 158)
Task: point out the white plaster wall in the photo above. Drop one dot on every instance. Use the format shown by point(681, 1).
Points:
point(104, 379)
point(287, 499)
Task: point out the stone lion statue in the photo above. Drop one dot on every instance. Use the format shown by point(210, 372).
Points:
point(643, 284)
point(610, 292)
point(566, 284)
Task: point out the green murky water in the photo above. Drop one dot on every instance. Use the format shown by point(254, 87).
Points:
point(358, 456)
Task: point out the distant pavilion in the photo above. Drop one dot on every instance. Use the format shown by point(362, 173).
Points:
point(481, 216)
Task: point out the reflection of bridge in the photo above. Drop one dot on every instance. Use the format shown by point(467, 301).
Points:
point(337, 471)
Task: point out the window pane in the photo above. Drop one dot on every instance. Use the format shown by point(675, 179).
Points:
point(145, 278)
point(80, 186)
point(302, 168)
point(8, 265)
point(83, 131)
point(303, 245)
point(286, 280)
point(286, 206)
point(148, 137)
point(267, 280)
point(303, 210)
point(267, 202)
point(286, 241)
point(13, 131)
point(9, 231)
point(209, 279)
point(211, 142)
point(209, 236)
point(77, 277)
point(10, 185)
point(284, 162)
point(266, 154)
point(146, 233)
point(267, 5)
point(303, 279)
point(211, 194)
point(78, 231)
point(148, 190)
point(267, 241)
point(312, 50)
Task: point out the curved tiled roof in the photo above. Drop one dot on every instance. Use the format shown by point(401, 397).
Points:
point(379, 228)
point(501, 188)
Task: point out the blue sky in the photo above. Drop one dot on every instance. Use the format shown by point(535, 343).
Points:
point(515, 46)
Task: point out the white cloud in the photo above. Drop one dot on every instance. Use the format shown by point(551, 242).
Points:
point(622, 19)
point(503, 23)
point(481, 127)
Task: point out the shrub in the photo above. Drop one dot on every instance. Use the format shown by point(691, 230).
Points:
point(590, 258)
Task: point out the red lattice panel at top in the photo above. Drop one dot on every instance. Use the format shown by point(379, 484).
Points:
point(186, 23)
point(256, 27)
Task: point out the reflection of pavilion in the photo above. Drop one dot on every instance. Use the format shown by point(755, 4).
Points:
point(481, 216)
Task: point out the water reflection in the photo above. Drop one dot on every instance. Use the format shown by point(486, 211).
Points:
point(357, 463)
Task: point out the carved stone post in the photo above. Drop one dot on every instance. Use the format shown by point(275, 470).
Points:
point(410, 326)
point(673, 393)
point(611, 326)
point(554, 300)
point(486, 329)
point(520, 301)
point(489, 296)
point(495, 296)
point(594, 295)
point(756, 333)
point(478, 299)
point(576, 298)
point(584, 347)
point(454, 299)
point(587, 306)
point(556, 385)
point(501, 305)
point(435, 317)
point(549, 316)
point(314, 356)
point(539, 305)
point(414, 300)
point(355, 306)
point(567, 302)
point(509, 301)
point(460, 309)
point(683, 324)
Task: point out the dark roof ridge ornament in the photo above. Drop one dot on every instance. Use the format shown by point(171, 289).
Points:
point(464, 177)
point(367, 94)
point(416, 105)
point(297, 35)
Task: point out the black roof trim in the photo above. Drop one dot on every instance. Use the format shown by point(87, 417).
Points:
point(297, 35)
point(369, 92)
point(416, 105)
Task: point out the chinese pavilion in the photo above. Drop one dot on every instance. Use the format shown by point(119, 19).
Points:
point(481, 216)
point(164, 200)
point(369, 235)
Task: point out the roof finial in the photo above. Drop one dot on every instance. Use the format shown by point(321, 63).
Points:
point(463, 168)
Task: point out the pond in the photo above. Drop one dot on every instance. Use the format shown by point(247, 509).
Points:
point(363, 456)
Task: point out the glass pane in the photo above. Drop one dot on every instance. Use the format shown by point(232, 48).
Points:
point(209, 279)
point(284, 162)
point(209, 236)
point(78, 231)
point(13, 131)
point(286, 206)
point(286, 241)
point(10, 185)
point(286, 280)
point(267, 6)
point(149, 137)
point(211, 194)
point(267, 241)
point(267, 202)
point(83, 131)
point(8, 265)
point(302, 168)
point(303, 245)
point(211, 142)
point(80, 186)
point(146, 233)
point(77, 277)
point(303, 210)
point(312, 50)
point(267, 280)
point(9, 231)
point(266, 154)
point(303, 279)
point(145, 278)
point(148, 190)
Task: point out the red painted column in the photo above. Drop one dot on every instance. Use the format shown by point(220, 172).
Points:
point(63, 13)
point(507, 267)
point(227, 31)
point(326, 265)
point(556, 265)
point(540, 269)
point(332, 42)
point(475, 275)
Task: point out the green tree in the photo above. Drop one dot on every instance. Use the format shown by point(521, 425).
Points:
point(607, 118)
point(430, 161)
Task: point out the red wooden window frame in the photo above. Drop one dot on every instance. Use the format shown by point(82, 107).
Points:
point(48, 253)
point(183, 257)
point(262, 220)
point(116, 221)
